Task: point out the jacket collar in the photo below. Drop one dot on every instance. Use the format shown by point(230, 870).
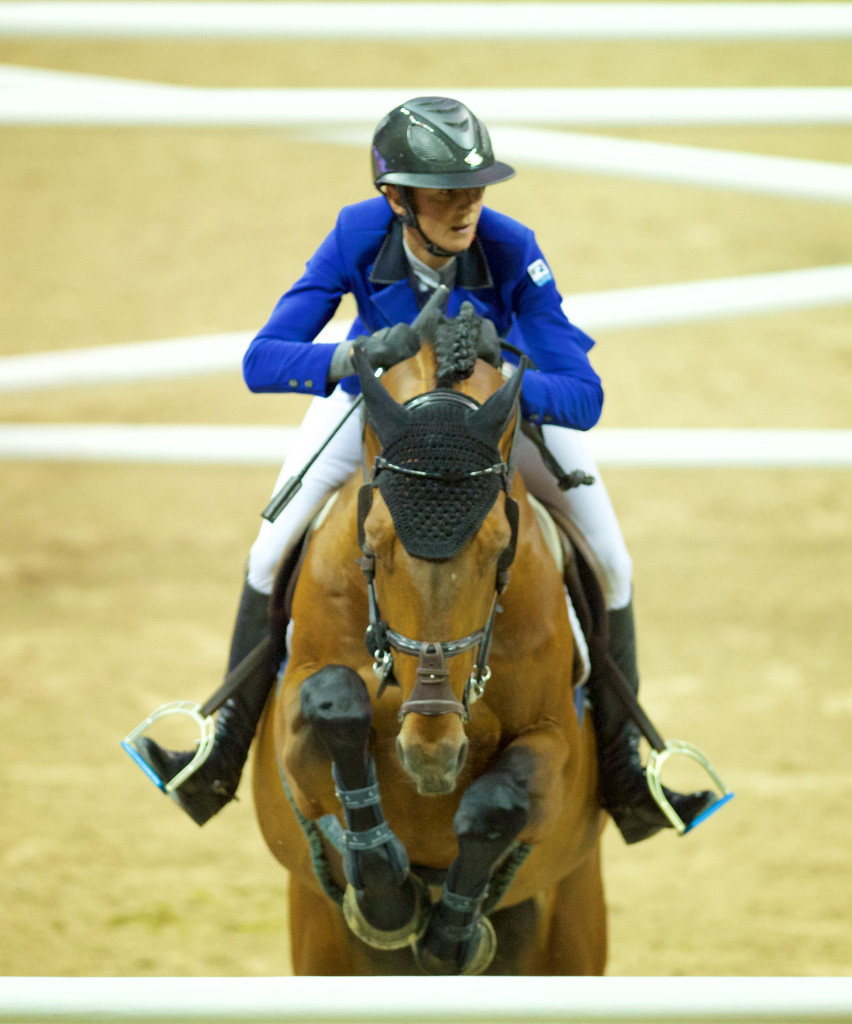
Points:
point(391, 264)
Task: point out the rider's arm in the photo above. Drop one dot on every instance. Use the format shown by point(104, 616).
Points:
point(564, 389)
point(283, 355)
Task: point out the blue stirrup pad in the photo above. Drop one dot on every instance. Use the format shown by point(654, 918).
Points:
point(708, 812)
point(143, 764)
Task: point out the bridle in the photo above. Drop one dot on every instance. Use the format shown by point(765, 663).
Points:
point(432, 694)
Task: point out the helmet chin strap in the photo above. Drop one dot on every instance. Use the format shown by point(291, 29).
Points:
point(410, 219)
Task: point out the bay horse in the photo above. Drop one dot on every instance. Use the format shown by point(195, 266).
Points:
point(433, 791)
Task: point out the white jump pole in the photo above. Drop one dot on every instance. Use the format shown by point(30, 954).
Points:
point(424, 1000)
point(480, 21)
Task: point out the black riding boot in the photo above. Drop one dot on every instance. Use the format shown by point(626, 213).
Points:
point(214, 784)
point(623, 785)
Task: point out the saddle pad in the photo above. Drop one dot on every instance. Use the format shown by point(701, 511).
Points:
point(290, 562)
point(550, 532)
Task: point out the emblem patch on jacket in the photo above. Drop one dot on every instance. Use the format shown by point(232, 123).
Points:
point(539, 271)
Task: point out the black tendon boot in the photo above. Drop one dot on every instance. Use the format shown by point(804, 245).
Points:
point(214, 784)
point(623, 787)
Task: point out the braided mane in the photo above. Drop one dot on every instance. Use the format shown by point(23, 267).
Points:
point(456, 342)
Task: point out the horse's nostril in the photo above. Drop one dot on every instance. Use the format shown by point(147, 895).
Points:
point(434, 767)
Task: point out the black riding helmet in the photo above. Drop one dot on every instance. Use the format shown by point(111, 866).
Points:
point(433, 142)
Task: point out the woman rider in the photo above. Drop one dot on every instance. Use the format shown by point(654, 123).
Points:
point(432, 159)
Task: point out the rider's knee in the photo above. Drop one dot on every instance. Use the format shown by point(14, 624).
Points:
point(613, 568)
point(262, 563)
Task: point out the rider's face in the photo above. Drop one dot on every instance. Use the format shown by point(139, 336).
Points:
point(447, 216)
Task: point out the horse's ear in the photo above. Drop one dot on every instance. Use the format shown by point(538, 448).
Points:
point(387, 416)
point(489, 422)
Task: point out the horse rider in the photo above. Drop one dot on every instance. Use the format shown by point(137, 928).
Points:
point(432, 159)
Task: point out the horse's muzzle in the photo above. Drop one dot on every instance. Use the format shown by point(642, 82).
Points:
point(433, 765)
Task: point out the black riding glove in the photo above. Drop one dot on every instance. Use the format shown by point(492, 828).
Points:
point(390, 345)
point(489, 342)
point(384, 348)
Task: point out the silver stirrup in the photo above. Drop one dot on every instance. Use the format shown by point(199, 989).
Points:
point(206, 727)
point(657, 759)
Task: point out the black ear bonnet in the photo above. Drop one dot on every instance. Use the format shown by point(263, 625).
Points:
point(437, 513)
point(440, 470)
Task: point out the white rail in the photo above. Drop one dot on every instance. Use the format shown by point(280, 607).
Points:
point(33, 97)
point(691, 165)
point(516, 21)
point(424, 1000)
point(684, 302)
point(657, 161)
point(198, 444)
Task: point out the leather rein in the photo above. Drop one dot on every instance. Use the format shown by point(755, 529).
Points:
point(432, 694)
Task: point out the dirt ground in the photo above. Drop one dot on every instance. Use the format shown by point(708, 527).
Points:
point(118, 583)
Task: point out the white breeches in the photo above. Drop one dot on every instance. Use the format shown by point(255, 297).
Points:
point(588, 508)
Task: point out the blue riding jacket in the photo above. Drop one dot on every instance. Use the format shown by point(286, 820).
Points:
point(503, 274)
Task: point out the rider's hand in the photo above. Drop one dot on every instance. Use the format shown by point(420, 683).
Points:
point(390, 345)
point(384, 348)
point(488, 345)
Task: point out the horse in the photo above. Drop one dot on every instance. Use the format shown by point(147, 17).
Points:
point(433, 791)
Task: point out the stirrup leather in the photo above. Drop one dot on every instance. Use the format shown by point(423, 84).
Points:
point(206, 725)
point(657, 758)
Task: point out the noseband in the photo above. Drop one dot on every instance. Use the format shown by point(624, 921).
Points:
point(432, 694)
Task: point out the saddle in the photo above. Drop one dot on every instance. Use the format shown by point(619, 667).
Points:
point(586, 606)
point(290, 565)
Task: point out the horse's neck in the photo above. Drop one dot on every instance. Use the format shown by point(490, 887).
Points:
point(417, 375)
point(414, 376)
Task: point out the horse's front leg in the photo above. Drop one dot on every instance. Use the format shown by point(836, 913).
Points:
point(493, 811)
point(384, 905)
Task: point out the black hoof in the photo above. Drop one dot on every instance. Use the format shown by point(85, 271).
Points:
point(397, 930)
point(438, 954)
point(493, 809)
point(336, 703)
